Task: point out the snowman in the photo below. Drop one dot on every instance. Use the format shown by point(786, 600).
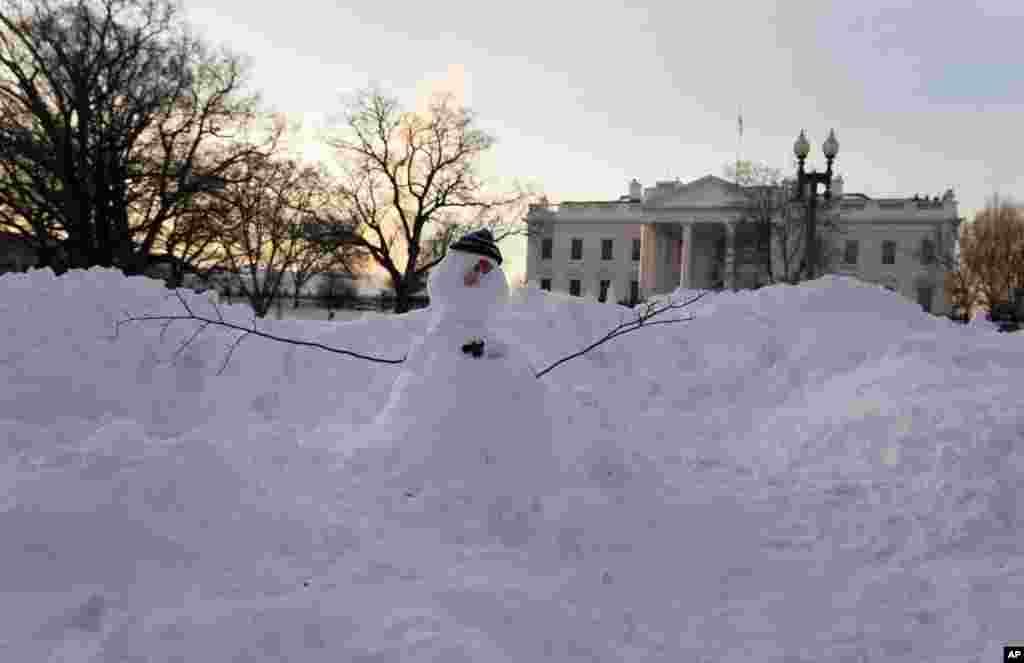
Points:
point(464, 443)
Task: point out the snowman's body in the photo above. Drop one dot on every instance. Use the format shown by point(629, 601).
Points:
point(464, 443)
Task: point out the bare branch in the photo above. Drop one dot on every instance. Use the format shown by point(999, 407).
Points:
point(181, 299)
point(163, 332)
point(189, 340)
point(231, 351)
point(216, 307)
point(168, 319)
point(650, 310)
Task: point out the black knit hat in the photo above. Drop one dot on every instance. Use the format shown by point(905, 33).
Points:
point(481, 243)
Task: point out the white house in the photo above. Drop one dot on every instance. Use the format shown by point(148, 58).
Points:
point(673, 234)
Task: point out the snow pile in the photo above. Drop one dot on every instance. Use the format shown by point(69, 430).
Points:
point(821, 472)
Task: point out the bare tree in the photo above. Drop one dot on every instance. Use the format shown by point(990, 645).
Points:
point(961, 285)
point(335, 288)
point(992, 252)
point(260, 219)
point(766, 203)
point(411, 184)
point(781, 222)
point(321, 251)
point(310, 259)
point(190, 244)
point(22, 212)
point(314, 258)
point(791, 239)
point(110, 115)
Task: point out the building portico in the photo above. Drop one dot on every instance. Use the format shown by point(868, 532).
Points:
point(687, 254)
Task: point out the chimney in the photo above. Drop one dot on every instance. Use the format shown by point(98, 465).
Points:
point(636, 190)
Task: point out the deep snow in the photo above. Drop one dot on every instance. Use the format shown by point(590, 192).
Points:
point(821, 472)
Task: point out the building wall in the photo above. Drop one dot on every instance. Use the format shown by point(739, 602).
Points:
point(907, 272)
point(869, 222)
point(591, 269)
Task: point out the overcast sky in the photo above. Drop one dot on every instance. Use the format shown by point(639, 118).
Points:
point(923, 95)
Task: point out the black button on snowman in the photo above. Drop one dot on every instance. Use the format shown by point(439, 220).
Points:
point(475, 347)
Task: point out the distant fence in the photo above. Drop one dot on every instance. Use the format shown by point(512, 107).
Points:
point(379, 304)
point(372, 303)
point(339, 232)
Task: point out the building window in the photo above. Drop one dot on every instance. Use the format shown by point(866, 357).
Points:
point(634, 292)
point(888, 252)
point(574, 287)
point(606, 249)
point(850, 254)
point(545, 284)
point(577, 249)
point(603, 292)
point(545, 248)
point(924, 297)
point(927, 251)
point(636, 249)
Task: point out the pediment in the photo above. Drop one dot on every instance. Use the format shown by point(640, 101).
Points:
point(706, 192)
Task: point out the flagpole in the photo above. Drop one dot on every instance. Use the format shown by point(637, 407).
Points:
point(739, 142)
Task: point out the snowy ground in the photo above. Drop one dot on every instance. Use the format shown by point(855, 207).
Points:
point(800, 474)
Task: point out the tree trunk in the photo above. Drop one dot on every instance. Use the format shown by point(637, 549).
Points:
point(78, 254)
point(260, 307)
point(177, 274)
point(402, 303)
point(764, 250)
point(46, 257)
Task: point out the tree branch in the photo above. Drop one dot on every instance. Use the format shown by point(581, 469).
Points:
point(650, 311)
point(168, 319)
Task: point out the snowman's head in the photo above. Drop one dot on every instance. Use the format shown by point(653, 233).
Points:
point(468, 286)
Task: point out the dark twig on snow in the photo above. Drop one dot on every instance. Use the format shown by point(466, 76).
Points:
point(181, 348)
point(221, 322)
point(643, 319)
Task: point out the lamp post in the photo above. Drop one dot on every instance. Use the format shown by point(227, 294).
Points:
point(809, 182)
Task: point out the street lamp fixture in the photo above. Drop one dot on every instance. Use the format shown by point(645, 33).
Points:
point(801, 147)
point(831, 146)
point(807, 190)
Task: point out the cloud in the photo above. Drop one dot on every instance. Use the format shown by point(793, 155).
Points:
point(924, 53)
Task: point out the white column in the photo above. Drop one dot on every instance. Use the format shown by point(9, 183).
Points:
point(667, 254)
point(685, 281)
point(730, 256)
point(648, 259)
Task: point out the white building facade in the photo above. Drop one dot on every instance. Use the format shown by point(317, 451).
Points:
point(698, 235)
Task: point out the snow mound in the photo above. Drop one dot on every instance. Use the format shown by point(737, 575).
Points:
point(813, 472)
